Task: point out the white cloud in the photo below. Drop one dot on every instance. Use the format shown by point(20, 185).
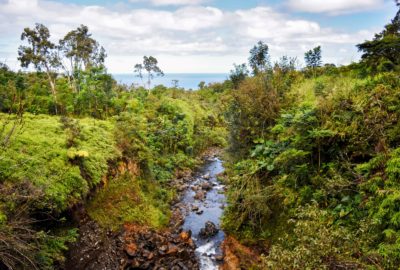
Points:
point(172, 2)
point(190, 34)
point(263, 22)
point(334, 6)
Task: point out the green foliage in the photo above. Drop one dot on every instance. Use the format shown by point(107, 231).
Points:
point(238, 74)
point(313, 57)
point(52, 247)
point(382, 53)
point(252, 111)
point(314, 243)
point(317, 182)
point(166, 133)
point(128, 199)
point(259, 60)
point(315, 160)
point(52, 163)
point(40, 155)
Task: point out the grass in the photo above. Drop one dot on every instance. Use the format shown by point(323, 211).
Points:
point(130, 199)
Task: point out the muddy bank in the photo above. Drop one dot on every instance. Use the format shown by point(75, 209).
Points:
point(96, 248)
point(238, 256)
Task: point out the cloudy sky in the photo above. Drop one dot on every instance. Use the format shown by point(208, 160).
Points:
point(204, 36)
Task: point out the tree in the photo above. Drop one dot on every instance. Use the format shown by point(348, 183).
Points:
point(175, 83)
point(286, 64)
point(385, 47)
point(41, 53)
point(96, 93)
point(82, 52)
point(150, 65)
point(139, 70)
point(259, 59)
point(313, 58)
point(238, 74)
point(202, 84)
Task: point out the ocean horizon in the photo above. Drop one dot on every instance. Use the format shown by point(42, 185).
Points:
point(185, 80)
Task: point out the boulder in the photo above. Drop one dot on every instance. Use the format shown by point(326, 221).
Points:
point(219, 258)
point(185, 235)
point(200, 195)
point(206, 186)
point(209, 230)
point(131, 249)
point(181, 187)
point(172, 249)
point(199, 212)
point(206, 176)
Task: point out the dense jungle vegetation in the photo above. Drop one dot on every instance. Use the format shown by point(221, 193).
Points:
point(313, 154)
point(316, 180)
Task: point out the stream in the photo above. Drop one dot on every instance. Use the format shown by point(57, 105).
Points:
point(203, 210)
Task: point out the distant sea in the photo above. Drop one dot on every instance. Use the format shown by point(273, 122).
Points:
point(185, 80)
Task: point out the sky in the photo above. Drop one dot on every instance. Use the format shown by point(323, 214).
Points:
point(200, 36)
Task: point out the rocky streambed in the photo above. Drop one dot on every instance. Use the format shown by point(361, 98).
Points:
point(192, 240)
point(206, 200)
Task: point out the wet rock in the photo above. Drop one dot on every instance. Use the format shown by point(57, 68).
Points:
point(206, 176)
point(199, 212)
point(178, 221)
point(135, 263)
point(200, 195)
point(191, 243)
point(181, 187)
point(150, 256)
point(172, 249)
point(164, 248)
point(183, 267)
point(146, 265)
point(206, 186)
point(131, 249)
point(185, 236)
point(195, 208)
point(219, 258)
point(209, 230)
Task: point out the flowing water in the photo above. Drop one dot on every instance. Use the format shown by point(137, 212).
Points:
point(212, 207)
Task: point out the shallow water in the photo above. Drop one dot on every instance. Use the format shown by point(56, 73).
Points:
point(212, 206)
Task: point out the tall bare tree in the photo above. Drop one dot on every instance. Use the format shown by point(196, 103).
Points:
point(150, 65)
point(82, 52)
point(42, 54)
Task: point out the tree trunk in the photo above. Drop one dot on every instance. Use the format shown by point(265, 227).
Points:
point(149, 81)
point(53, 89)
